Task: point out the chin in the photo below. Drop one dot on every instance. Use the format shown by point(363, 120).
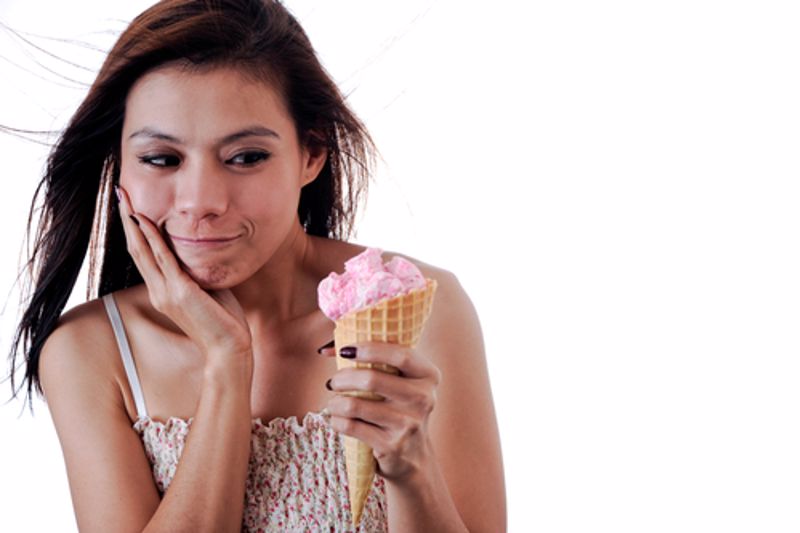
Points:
point(214, 277)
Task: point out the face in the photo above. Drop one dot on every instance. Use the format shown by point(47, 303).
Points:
point(213, 159)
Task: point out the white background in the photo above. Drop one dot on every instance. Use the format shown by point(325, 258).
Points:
point(615, 184)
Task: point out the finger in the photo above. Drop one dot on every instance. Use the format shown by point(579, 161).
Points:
point(370, 434)
point(403, 358)
point(138, 247)
point(389, 433)
point(163, 256)
point(367, 411)
point(376, 384)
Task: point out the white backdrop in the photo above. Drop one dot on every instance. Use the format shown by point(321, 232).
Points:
point(616, 184)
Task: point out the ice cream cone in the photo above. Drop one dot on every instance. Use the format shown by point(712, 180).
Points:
point(397, 320)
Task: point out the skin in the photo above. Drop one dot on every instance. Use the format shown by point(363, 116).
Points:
point(226, 328)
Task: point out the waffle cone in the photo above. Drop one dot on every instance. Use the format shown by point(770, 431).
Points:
point(398, 320)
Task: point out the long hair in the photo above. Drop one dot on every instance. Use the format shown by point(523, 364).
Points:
point(258, 37)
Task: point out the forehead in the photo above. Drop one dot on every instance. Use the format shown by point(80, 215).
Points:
point(199, 104)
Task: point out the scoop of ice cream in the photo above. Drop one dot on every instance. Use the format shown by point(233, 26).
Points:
point(366, 281)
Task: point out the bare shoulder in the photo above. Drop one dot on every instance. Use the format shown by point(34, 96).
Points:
point(441, 275)
point(453, 337)
point(108, 472)
point(452, 306)
point(80, 363)
point(78, 348)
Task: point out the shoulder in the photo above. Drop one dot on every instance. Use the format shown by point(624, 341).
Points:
point(80, 357)
point(453, 334)
point(451, 305)
point(335, 253)
point(451, 301)
point(78, 335)
point(81, 375)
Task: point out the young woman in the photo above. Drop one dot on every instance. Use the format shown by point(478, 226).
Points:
point(212, 173)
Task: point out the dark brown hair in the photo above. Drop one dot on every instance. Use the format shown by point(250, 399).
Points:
point(258, 37)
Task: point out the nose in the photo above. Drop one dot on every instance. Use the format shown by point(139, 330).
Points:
point(201, 190)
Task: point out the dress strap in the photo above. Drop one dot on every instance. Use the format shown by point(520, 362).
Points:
point(125, 351)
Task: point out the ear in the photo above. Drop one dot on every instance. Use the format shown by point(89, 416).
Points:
point(314, 158)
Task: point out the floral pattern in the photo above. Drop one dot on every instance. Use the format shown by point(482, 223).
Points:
point(297, 480)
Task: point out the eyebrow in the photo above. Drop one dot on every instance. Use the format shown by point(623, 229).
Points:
point(252, 131)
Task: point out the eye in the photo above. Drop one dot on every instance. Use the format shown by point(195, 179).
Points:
point(160, 160)
point(248, 159)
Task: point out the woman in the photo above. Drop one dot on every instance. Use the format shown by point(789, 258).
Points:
point(212, 171)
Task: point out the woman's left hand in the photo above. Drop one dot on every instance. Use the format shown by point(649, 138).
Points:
point(397, 427)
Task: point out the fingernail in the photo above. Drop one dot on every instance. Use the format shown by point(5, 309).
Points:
point(329, 345)
point(119, 194)
point(348, 352)
point(135, 219)
point(328, 384)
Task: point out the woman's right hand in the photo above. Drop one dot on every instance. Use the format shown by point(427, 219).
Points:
point(213, 319)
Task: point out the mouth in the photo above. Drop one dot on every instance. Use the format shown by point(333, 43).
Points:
point(204, 242)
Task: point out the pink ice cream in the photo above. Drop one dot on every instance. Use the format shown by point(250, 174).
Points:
point(366, 281)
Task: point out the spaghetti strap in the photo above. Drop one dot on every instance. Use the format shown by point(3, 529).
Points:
point(125, 351)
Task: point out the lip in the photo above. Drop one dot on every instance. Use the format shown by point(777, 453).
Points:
point(203, 242)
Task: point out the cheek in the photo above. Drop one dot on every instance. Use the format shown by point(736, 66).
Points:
point(274, 203)
point(151, 203)
point(148, 197)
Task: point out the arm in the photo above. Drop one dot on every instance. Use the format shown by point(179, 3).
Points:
point(466, 472)
point(435, 438)
point(110, 478)
point(207, 492)
point(109, 475)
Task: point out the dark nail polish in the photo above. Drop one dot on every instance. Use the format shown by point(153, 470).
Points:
point(135, 219)
point(329, 345)
point(348, 352)
point(328, 385)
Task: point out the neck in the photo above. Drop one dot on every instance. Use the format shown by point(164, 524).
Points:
point(281, 289)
